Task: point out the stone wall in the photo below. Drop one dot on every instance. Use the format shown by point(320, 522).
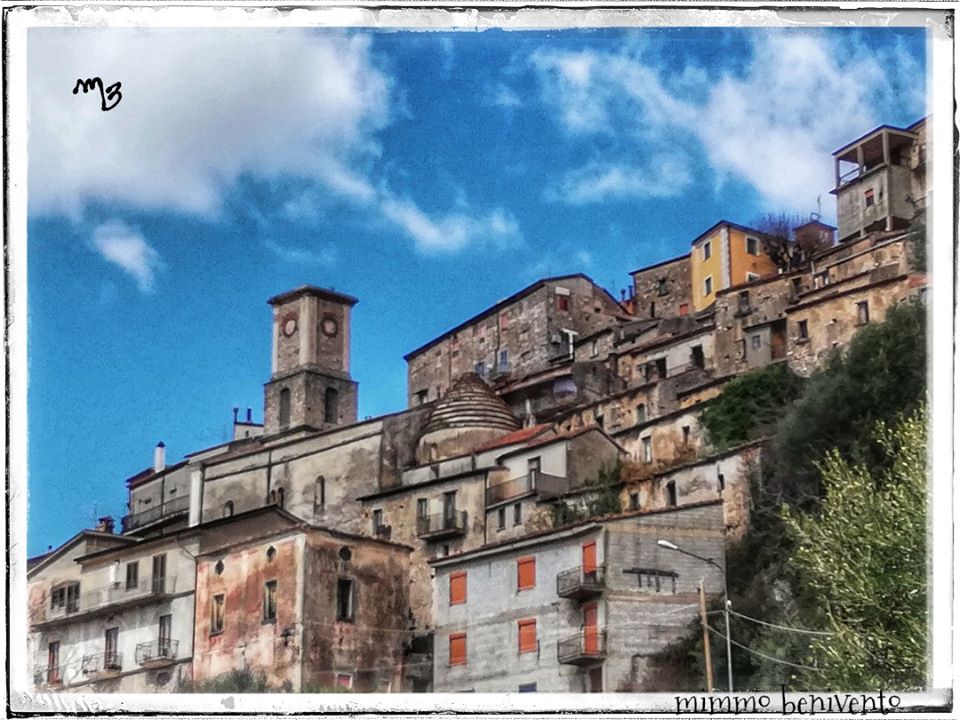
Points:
point(663, 289)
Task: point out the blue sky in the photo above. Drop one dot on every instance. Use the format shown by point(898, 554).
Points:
point(428, 174)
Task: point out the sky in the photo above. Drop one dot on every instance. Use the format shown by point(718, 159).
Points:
point(429, 174)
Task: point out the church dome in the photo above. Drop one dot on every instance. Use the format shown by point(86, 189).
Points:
point(468, 414)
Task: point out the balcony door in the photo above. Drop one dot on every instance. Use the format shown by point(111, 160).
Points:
point(163, 637)
point(159, 579)
point(589, 561)
point(449, 508)
point(591, 639)
point(111, 659)
point(53, 662)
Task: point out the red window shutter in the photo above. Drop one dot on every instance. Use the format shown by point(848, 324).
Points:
point(527, 635)
point(526, 573)
point(458, 588)
point(458, 648)
point(589, 557)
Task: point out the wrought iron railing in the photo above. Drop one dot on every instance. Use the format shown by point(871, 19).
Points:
point(156, 651)
point(178, 506)
point(542, 483)
point(442, 523)
point(102, 662)
point(111, 594)
point(587, 645)
point(48, 675)
point(576, 581)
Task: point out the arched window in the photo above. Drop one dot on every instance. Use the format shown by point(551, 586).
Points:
point(330, 406)
point(284, 407)
point(228, 508)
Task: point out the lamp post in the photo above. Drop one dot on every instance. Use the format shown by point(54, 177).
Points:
point(726, 602)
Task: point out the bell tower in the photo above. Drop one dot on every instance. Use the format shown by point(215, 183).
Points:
point(310, 384)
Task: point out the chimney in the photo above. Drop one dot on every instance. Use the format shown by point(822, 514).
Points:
point(105, 524)
point(159, 457)
point(250, 415)
point(236, 412)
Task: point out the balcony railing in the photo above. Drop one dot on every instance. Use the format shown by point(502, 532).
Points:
point(107, 596)
point(543, 484)
point(577, 584)
point(442, 525)
point(48, 675)
point(157, 652)
point(587, 646)
point(102, 663)
point(179, 506)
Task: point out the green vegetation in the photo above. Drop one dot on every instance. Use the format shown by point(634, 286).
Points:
point(603, 500)
point(837, 528)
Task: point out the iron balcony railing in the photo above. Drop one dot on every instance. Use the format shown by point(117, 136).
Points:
point(577, 584)
point(442, 524)
point(48, 675)
point(587, 646)
point(113, 594)
point(542, 483)
point(102, 663)
point(179, 506)
point(157, 651)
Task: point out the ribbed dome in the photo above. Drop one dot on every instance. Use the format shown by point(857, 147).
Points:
point(471, 403)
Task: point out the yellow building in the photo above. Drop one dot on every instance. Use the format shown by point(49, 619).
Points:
point(726, 254)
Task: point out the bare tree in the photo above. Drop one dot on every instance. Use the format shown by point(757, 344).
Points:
point(784, 244)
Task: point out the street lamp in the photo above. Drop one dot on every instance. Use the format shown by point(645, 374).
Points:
point(726, 601)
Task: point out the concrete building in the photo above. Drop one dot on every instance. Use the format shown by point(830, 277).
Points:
point(726, 254)
point(577, 609)
point(525, 333)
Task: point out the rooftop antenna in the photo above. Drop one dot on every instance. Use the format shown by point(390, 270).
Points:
point(818, 207)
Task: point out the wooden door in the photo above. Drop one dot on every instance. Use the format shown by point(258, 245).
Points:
point(591, 640)
point(589, 561)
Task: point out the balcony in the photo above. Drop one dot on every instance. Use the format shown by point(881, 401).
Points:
point(157, 653)
point(101, 664)
point(110, 598)
point(164, 511)
point(444, 525)
point(50, 676)
point(579, 585)
point(586, 647)
point(542, 484)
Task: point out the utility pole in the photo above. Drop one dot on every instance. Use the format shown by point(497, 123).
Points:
point(707, 659)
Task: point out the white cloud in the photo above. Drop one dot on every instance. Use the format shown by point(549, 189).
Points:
point(505, 97)
point(323, 254)
point(663, 176)
point(452, 231)
point(773, 123)
point(127, 249)
point(199, 109)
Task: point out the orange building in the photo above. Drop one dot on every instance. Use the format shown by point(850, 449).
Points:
point(726, 254)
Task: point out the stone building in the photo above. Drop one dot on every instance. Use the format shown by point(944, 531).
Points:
point(663, 289)
point(303, 605)
point(526, 333)
point(576, 609)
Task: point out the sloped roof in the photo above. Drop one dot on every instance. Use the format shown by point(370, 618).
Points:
point(520, 436)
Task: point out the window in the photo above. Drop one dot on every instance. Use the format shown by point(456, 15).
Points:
point(753, 246)
point(686, 435)
point(563, 303)
point(377, 520)
point(345, 680)
point(533, 467)
point(320, 493)
point(526, 573)
point(164, 646)
point(458, 649)
point(53, 662)
point(696, 356)
point(270, 601)
point(743, 301)
point(344, 599)
point(661, 364)
point(420, 397)
point(653, 309)
point(755, 342)
point(721, 483)
point(504, 359)
point(330, 401)
point(647, 449)
point(863, 313)
point(527, 635)
point(708, 285)
point(594, 348)
point(111, 658)
point(802, 330)
point(684, 309)
point(517, 514)
point(480, 368)
point(444, 550)
point(527, 687)
point(284, 407)
point(868, 198)
point(641, 413)
point(421, 508)
point(672, 494)
point(458, 588)
point(276, 497)
point(706, 250)
point(216, 615)
point(663, 286)
point(66, 596)
point(796, 286)
point(742, 347)
point(228, 508)
point(133, 572)
point(501, 518)
point(634, 501)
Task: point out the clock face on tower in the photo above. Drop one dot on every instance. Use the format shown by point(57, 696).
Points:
point(329, 326)
point(288, 325)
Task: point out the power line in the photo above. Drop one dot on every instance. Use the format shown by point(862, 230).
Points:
point(780, 627)
point(760, 654)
